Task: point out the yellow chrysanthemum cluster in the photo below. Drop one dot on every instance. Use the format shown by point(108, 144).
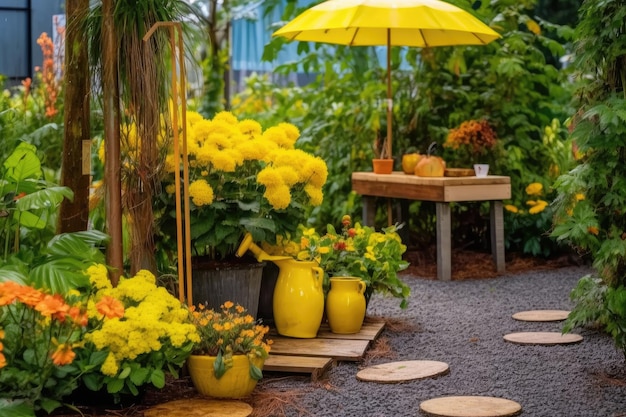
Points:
point(153, 319)
point(226, 151)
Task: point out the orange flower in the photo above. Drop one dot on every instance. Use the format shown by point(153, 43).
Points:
point(3, 361)
point(593, 230)
point(110, 307)
point(8, 292)
point(78, 316)
point(63, 355)
point(53, 305)
point(29, 296)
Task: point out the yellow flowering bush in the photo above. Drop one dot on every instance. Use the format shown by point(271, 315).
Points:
point(356, 250)
point(154, 335)
point(529, 224)
point(229, 332)
point(243, 178)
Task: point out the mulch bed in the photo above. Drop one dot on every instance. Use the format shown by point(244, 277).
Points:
point(478, 265)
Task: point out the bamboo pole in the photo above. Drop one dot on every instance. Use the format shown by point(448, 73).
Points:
point(183, 228)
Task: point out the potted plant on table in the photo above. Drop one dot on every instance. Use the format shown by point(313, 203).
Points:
point(382, 163)
point(473, 142)
point(228, 359)
point(242, 179)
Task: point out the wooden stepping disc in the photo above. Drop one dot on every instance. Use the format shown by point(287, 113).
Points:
point(196, 407)
point(541, 315)
point(543, 338)
point(402, 371)
point(470, 407)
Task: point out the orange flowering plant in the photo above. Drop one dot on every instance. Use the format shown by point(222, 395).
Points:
point(473, 142)
point(231, 331)
point(40, 333)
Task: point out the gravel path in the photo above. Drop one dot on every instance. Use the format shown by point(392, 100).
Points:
point(463, 323)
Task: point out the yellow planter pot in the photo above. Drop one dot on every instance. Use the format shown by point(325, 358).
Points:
point(235, 383)
point(345, 305)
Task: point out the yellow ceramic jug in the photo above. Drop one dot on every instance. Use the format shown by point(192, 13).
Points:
point(298, 296)
point(345, 305)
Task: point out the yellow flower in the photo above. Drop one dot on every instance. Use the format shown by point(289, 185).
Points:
point(538, 207)
point(579, 197)
point(534, 189)
point(270, 177)
point(511, 208)
point(278, 196)
point(201, 193)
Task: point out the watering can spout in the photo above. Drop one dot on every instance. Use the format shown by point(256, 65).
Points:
point(248, 245)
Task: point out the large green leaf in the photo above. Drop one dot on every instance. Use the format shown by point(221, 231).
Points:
point(23, 163)
point(79, 245)
point(47, 198)
point(60, 275)
point(15, 409)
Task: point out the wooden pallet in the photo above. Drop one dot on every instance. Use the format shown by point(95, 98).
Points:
point(316, 356)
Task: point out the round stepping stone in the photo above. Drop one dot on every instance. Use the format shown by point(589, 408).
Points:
point(470, 406)
point(402, 371)
point(542, 338)
point(541, 315)
point(196, 407)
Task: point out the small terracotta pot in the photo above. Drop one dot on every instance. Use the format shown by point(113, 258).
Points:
point(382, 166)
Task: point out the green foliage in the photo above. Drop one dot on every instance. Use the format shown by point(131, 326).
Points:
point(512, 83)
point(28, 202)
point(596, 225)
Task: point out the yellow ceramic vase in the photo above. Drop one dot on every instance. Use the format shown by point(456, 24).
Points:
point(345, 305)
point(235, 383)
point(298, 298)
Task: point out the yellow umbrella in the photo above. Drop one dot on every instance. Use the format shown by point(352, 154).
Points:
point(420, 23)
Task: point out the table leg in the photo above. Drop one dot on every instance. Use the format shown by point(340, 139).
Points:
point(369, 210)
point(444, 244)
point(497, 234)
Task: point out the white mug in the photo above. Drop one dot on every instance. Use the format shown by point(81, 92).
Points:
point(481, 170)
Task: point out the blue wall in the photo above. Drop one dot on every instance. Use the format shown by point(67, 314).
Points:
point(21, 23)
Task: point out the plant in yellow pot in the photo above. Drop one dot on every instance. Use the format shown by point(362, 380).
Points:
point(228, 360)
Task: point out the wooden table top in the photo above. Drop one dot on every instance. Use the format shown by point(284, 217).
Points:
point(437, 189)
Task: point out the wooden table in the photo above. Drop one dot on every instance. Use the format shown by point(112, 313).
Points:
point(442, 191)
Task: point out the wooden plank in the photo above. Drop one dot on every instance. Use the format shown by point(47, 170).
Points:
point(339, 349)
point(477, 192)
point(316, 366)
point(369, 331)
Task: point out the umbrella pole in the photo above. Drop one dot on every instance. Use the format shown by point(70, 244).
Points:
point(389, 116)
point(389, 99)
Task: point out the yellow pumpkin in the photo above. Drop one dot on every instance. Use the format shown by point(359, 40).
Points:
point(409, 161)
point(430, 165)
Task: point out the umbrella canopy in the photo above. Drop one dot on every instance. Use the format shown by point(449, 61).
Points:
point(419, 23)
